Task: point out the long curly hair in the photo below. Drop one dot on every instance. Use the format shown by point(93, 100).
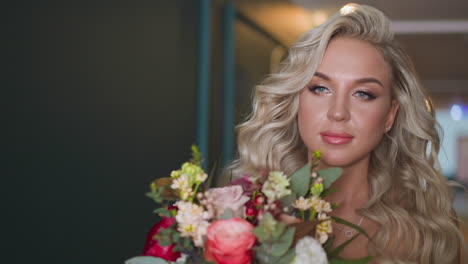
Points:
point(409, 196)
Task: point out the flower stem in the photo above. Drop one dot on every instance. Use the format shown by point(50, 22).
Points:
point(194, 192)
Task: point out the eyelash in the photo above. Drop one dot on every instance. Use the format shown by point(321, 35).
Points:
point(368, 96)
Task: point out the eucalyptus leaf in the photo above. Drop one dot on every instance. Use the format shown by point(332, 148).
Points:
point(146, 260)
point(288, 200)
point(288, 257)
point(300, 181)
point(263, 258)
point(278, 231)
point(266, 227)
point(175, 237)
point(329, 175)
point(281, 246)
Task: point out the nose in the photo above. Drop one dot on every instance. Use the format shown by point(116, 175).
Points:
point(338, 110)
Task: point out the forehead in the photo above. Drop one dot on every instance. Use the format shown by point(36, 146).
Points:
point(351, 58)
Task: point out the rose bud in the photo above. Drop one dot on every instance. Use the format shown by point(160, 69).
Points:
point(250, 211)
point(152, 246)
point(259, 200)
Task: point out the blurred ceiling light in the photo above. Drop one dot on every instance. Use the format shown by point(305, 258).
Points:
point(456, 112)
point(348, 8)
point(318, 18)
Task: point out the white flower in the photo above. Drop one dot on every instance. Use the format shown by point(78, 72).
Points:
point(314, 201)
point(201, 177)
point(276, 186)
point(309, 250)
point(191, 221)
point(323, 206)
point(180, 182)
point(322, 216)
point(322, 231)
point(200, 234)
point(186, 194)
point(302, 204)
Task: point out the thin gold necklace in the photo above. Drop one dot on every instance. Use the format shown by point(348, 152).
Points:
point(349, 233)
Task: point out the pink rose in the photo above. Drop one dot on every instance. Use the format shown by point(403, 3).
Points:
point(230, 241)
point(154, 249)
point(230, 197)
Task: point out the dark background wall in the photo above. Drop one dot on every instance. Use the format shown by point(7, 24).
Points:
point(100, 99)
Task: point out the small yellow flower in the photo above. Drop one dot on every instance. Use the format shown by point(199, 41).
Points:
point(317, 189)
point(317, 154)
point(322, 231)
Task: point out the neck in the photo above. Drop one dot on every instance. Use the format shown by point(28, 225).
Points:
point(352, 188)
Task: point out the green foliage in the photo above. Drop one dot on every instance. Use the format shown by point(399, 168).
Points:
point(329, 175)
point(344, 222)
point(288, 257)
point(156, 194)
point(268, 230)
point(326, 192)
point(300, 181)
point(163, 212)
point(333, 255)
point(196, 156)
point(351, 261)
point(276, 239)
point(288, 199)
point(281, 246)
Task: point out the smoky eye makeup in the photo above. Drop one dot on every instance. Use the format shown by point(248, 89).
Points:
point(365, 95)
point(318, 89)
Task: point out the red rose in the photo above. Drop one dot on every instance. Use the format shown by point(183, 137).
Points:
point(230, 242)
point(152, 247)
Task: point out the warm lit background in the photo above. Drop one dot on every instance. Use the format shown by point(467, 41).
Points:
point(103, 96)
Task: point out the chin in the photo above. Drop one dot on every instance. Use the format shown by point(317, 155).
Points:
point(339, 159)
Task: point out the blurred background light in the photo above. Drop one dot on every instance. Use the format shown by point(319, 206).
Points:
point(456, 112)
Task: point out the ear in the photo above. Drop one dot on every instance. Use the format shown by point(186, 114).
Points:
point(391, 115)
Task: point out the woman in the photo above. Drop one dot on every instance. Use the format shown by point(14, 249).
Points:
point(347, 89)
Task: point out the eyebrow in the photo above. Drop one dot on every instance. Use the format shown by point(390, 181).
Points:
point(360, 80)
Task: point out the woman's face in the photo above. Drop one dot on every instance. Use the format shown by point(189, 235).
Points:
point(347, 106)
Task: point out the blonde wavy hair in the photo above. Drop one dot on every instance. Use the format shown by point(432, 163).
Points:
point(409, 196)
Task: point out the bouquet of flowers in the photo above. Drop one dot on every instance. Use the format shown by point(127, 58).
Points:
point(263, 218)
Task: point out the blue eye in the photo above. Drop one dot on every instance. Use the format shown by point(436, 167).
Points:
point(318, 89)
point(365, 95)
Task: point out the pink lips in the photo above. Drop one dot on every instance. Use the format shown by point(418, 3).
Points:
point(336, 138)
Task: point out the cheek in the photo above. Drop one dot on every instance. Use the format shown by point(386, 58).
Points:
point(370, 121)
point(310, 118)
